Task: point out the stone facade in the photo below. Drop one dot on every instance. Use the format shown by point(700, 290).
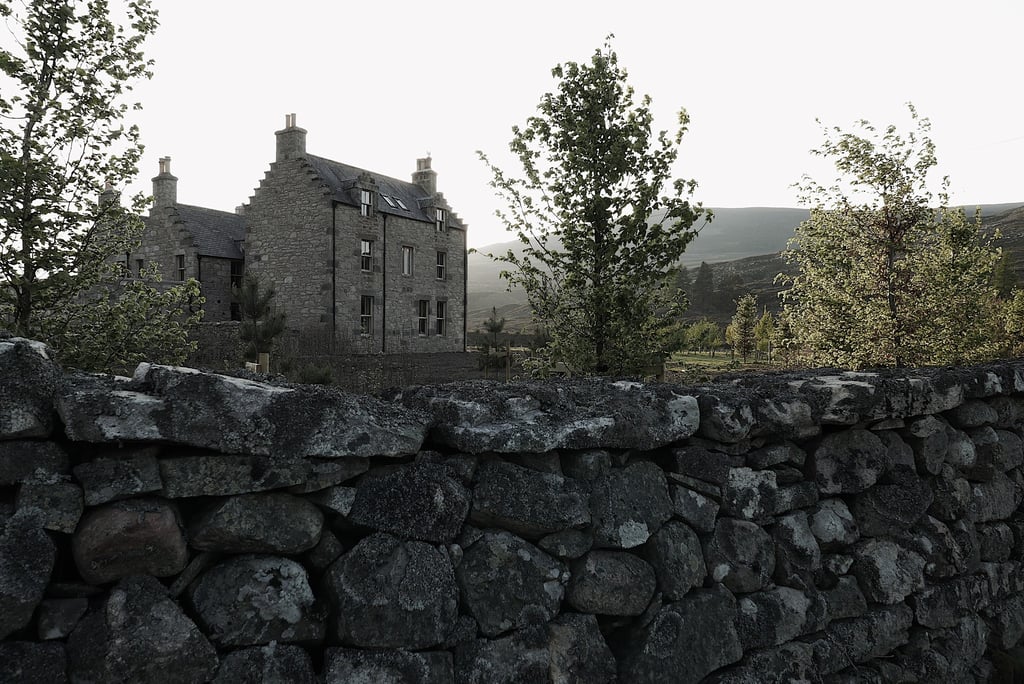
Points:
point(182, 241)
point(378, 262)
point(812, 527)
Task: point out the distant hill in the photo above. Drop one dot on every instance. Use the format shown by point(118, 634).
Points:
point(742, 241)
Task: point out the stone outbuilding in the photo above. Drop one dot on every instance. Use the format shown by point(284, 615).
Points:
point(376, 262)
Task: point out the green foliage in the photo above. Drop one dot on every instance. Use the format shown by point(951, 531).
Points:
point(743, 324)
point(702, 293)
point(1013, 324)
point(114, 328)
point(600, 235)
point(63, 148)
point(885, 277)
point(260, 323)
point(764, 332)
point(704, 335)
point(1004, 278)
point(61, 139)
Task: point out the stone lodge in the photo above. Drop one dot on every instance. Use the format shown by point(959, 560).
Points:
point(378, 262)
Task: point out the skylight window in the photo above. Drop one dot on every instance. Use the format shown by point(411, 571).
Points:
point(401, 204)
point(391, 202)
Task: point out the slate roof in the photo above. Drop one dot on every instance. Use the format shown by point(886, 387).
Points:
point(214, 233)
point(341, 179)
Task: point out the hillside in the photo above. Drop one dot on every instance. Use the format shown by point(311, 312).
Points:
point(740, 242)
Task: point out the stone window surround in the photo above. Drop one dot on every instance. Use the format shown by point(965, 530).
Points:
point(366, 256)
point(179, 266)
point(442, 265)
point(440, 319)
point(423, 315)
point(408, 255)
point(366, 315)
point(440, 220)
point(365, 202)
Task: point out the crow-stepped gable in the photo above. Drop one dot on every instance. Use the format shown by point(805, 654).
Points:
point(378, 262)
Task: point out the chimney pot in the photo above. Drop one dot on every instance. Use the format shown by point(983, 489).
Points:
point(291, 141)
point(165, 186)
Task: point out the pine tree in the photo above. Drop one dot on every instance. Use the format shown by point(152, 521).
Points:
point(260, 323)
point(743, 323)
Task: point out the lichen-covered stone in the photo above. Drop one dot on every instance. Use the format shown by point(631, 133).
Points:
point(108, 479)
point(628, 505)
point(130, 537)
point(776, 454)
point(676, 555)
point(749, 494)
point(740, 555)
point(508, 583)
point(587, 464)
point(1005, 621)
point(535, 417)
point(893, 506)
point(704, 464)
point(797, 553)
point(578, 652)
point(943, 605)
point(29, 378)
point(326, 551)
point(527, 502)
point(857, 640)
point(56, 618)
point(250, 600)
point(611, 583)
point(971, 414)
point(138, 634)
point(952, 495)
point(25, 662)
point(568, 544)
point(59, 504)
point(929, 438)
point(995, 500)
point(271, 663)
point(350, 666)
point(236, 416)
point(695, 509)
point(845, 600)
point(519, 657)
point(27, 557)
point(318, 474)
point(31, 461)
point(833, 525)
point(389, 593)
point(686, 640)
point(887, 572)
point(772, 617)
point(418, 501)
point(995, 542)
point(203, 475)
point(272, 522)
point(849, 461)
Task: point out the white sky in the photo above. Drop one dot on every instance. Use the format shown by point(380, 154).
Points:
point(378, 85)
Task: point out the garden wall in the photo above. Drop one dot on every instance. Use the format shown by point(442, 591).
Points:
point(825, 526)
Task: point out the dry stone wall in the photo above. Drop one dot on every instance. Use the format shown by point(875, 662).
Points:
point(822, 527)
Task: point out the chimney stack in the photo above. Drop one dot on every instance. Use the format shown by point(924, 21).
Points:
point(165, 186)
point(291, 142)
point(425, 177)
point(108, 196)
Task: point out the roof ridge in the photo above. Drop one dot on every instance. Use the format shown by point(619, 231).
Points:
point(359, 168)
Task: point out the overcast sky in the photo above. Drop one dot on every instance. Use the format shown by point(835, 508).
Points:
point(378, 85)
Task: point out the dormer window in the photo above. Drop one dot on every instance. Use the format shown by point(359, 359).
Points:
point(441, 220)
point(365, 203)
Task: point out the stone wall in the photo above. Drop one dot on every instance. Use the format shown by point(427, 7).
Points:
point(839, 527)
